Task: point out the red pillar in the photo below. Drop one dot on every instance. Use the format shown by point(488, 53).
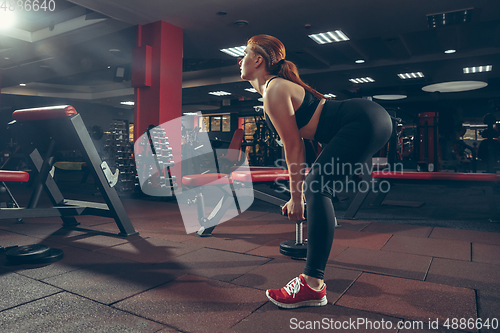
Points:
point(157, 79)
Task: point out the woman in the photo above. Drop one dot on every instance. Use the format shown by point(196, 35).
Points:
point(350, 133)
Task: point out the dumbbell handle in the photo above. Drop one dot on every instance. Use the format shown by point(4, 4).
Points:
point(299, 234)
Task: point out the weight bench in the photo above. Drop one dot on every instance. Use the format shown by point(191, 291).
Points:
point(243, 177)
point(484, 180)
point(61, 127)
point(13, 176)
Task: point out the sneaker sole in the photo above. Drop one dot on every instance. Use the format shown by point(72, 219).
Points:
point(320, 302)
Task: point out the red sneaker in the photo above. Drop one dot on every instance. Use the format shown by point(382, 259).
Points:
point(297, 294)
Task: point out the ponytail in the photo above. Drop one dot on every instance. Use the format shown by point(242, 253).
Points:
point(288, 70)
point(273, 49)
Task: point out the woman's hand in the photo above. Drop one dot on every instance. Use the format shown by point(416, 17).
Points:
point(294, 209)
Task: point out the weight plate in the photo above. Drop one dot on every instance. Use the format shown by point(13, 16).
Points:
point(25, 253)
point(53, 255)
point(291, 249)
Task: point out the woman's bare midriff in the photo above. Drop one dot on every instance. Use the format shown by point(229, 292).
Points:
point(308, 131)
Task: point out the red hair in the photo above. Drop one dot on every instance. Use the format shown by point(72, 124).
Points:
point(273, 51)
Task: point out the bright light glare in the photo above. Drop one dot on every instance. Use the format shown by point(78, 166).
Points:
point(7, 19)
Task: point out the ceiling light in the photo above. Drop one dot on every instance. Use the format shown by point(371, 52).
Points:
point(240, 23)
point(127, 103)
point(330, 95)
point(7, 18)
point(219, 93)
point(389, 97)
point(449, 18)
point(455, 86)
point(360, 61)
point(22, 84)
point(478, 69)
point(329, 37)
point(416, 75)
point(362, 80)
point(235, 51)
point(450, 51)
point(252, 90)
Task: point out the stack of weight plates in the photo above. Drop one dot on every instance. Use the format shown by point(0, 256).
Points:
point(33, 254)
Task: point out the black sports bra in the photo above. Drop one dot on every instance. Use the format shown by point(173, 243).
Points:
point(304, 113)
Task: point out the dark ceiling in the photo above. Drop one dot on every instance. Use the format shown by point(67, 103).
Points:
point(73, 51)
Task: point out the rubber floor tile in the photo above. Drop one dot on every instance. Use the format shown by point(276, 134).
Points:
point(240, 222)
point(146, 223)
point(238, 229)
point(171, 235)
point(415, 327)
point(18, 289)
point(150, 250)
point(30, 228)
point(251, 214)
point(399, 229)
point(472, 236)
point(91, 220)
point(329, 318)
point(489, 309)
point(465, 274)
point(89, 240)
point(269, 250)
point(218, 264)
point(65, 312)
point(355, 225)
point(195, 304)
point(74, 259)
point(396, 264)
point(284, 229)
point(409, 299)
point(441, 248)
point(12, 239)
point(240, 243)
point(279, 272)
point(366, 240)
point(489, 254)
point(113, 281)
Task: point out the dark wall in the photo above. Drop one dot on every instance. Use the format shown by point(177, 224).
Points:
point(92, 114)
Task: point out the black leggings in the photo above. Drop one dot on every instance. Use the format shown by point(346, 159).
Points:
point(351, 132)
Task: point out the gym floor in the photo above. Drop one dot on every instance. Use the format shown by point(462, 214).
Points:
point(425, 264)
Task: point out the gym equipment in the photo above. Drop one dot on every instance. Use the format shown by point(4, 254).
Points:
point(483, 180)
point(243, 177)
point(265, 144)
point(51, 256)
point(33, 254)
point(26, 253)
point(154, 158)
point(295, 248)
point(427, 150)
point(12, 176)
point(233, 156)
point(61, 127)
point(119, 155)
point(489, 149)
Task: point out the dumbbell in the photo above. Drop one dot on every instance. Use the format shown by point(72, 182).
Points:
point(297, 249)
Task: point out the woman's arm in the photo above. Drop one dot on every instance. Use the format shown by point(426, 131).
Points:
point(279, 108)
